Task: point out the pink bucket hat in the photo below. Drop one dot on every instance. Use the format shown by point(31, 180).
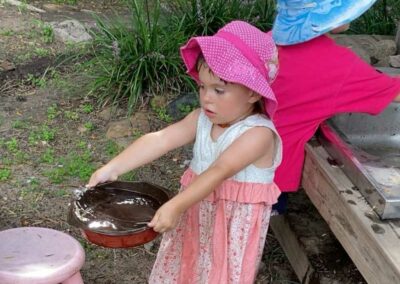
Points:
point(237, 53)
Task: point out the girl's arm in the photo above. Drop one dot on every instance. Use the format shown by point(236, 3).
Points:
point(255, 146)
point(148, 148)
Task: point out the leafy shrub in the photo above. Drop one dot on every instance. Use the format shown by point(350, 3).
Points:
point(135, 59)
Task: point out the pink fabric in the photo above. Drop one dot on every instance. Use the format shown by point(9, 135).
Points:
point(316, 80)
point(238, 191)
point(227, 58)
point(245, 50)
point(216, 241)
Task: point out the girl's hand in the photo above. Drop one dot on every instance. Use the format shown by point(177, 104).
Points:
point(166, 218)
point(101, 175)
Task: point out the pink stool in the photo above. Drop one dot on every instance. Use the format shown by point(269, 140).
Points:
point(32, 255)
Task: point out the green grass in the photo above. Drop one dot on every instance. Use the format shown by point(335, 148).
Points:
point(5, 174)
point(76, 164)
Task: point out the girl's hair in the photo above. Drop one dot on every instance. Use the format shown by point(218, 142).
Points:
point(201, 62)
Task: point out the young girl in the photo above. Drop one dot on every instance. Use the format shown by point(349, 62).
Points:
point(215, 227)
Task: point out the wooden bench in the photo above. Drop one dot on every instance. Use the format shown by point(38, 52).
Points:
point(372, 244)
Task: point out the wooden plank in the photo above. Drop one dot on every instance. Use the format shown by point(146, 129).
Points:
point(293, 249)
point(372, 244)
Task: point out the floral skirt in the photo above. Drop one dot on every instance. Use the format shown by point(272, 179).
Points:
point(215, 242)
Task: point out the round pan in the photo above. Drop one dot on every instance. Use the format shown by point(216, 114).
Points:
point(115, 214)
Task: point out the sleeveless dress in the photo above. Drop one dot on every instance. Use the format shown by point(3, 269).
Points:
point(221, 238)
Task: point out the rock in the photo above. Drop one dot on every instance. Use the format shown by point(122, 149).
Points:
point(140, 121)
point(6, 65)
point(182, 105)
point(389, 70)
point(58, 8)
point(384, 49)
point(105, 114)
point(394, 61)
point(70, 31)
point(384, 62)
point(362, 45)
point(397, 40)
point(123, 142)
point(117, 129)
point(158, 102)
point(110, 112)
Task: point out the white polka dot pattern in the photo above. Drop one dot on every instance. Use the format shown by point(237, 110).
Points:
point(228, 62)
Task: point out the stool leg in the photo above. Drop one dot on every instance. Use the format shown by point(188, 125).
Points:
point(74, 279)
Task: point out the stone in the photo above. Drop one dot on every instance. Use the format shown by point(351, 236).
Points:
point(183, 104)
point(110, 112)
point(6, 65)
point(117, 129)
point(58, 8)
point(384, 62)
point(70, 31)
point(363, 46)
point(384, 48)
point(394, 61)
point(140, 122)
point(397, 39)
point(105, 114)
point(158, 102)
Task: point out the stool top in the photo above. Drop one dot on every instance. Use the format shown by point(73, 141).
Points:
point(34, 253)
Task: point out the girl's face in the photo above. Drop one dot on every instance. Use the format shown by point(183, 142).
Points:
point(222, 102)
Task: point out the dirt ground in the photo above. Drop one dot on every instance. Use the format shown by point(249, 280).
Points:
point(52, 137)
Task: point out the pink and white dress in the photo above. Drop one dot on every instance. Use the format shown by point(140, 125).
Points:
point(220, 239)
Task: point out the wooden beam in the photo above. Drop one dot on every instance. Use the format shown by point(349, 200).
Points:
point(293, 249)
point(371, 243)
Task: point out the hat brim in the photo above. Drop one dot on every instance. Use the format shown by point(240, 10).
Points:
point(228, 63)
point(292, 26)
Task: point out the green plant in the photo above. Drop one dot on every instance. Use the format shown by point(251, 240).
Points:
point(46, 31)
point(380, 19)
point(12, 145)
point(185, 109)
point(41, 52)
point(129, 176)
point(20, 156)
point(52, 112)
point(48, 156)
point(161, 111)
point(82, 145)
point(23, 7)
point(36, 81)
point(5, 174)
point(87, 108)
point(32, 187)
point(75, 164)
point(72, 115)
point(205, 17)
point(7, 32)
point(135, 58)
point(112, 148)
point(89, 125)
point(19, 124)
point(46, 133)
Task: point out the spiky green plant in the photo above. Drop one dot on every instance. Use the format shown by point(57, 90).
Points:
point(380, 19)
point(205, 17)
point(135, 59)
